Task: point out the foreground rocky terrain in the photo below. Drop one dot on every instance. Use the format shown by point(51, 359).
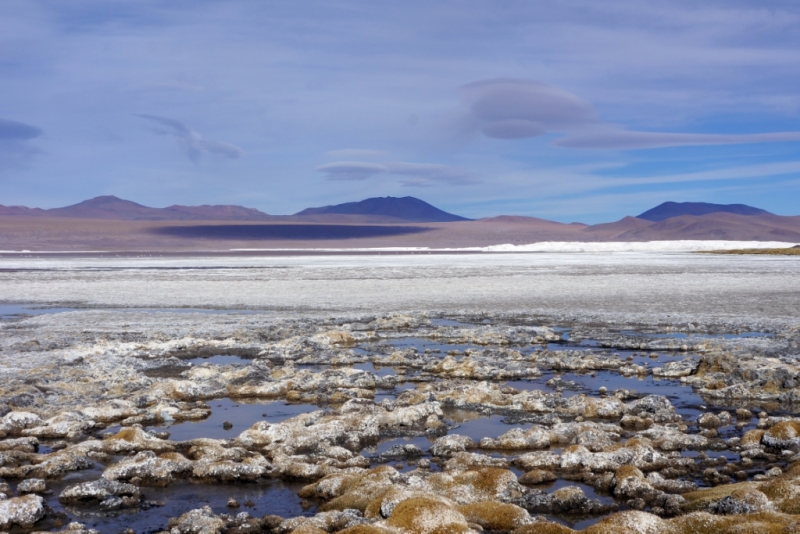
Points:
point(390, 423)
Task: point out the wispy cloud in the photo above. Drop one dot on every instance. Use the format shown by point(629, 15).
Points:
point(414, 174)
point(190, 141)
point(16, 148)
point(18, 131)
point(357, 153)
point(352, 170)
point(506, 108)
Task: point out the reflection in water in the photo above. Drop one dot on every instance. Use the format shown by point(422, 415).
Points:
point(241, 414)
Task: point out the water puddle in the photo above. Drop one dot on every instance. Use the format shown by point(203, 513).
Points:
point(14, 311)
point(20, 311)
point(370, 367)
point(682, 335)
point(477, 426)
point(240, 414)
point(257, 499)
point(451, 322)
point(221, 359)
point(423, 344)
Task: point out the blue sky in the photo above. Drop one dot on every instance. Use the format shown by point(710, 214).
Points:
point(566, 110)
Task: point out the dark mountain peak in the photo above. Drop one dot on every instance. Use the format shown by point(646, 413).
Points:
point(105, 201)
point(668, 210)
point(403, 208)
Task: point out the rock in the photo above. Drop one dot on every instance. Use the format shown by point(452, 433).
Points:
point(676, 369)
point(427, 515)
point(538, 460)
point(67, 425)
point(784, 435)
point(32, 485)
point(13, 423)
point(569, 499)
point(518, 439)
point(79, 528)
point(150, 469)
point(450, 444)
point(537, 476)
point(634, 522)
point(708, 420)
point(331, 521)
point(493, 516)
point(199, 521)
point(655, 407)
point(134, 439)
point(478, 484)
point(741, 501)
point(629, 483)
point(670, 485)
point(107, 494)
point(21, 511)
point(402, 451)
point(20, 444)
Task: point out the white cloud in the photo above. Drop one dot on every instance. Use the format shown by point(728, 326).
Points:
point(505, 108)
point(351, 170)
point(416, 174)
point(191, 142)
point(357, 153)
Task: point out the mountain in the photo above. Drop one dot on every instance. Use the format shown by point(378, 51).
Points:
point(667, 210)
point(614, 230)
point(21, 210)
point(110, 207)
point(403, 209)
point(718, 226)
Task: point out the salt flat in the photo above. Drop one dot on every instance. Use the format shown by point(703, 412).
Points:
point(655, 282)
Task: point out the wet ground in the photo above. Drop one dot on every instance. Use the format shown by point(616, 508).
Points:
point(322, 365)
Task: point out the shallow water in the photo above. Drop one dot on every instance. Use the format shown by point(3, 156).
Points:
point(450, 322)
point(19, 311)
point(681, 335)
point(268, 497)
point(221, 359)
point(477, 426)
point(380, 370)
point(241, 414)
point(421, 344)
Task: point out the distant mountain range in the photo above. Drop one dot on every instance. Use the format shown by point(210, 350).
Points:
point(371, 210)
point(391, 221)
point(667, 210)
point(404, 208)
point(114, 208)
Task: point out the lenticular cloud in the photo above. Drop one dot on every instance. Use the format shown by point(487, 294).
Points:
point(508, 108)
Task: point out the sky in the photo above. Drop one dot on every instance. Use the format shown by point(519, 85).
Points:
point(568, 110)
